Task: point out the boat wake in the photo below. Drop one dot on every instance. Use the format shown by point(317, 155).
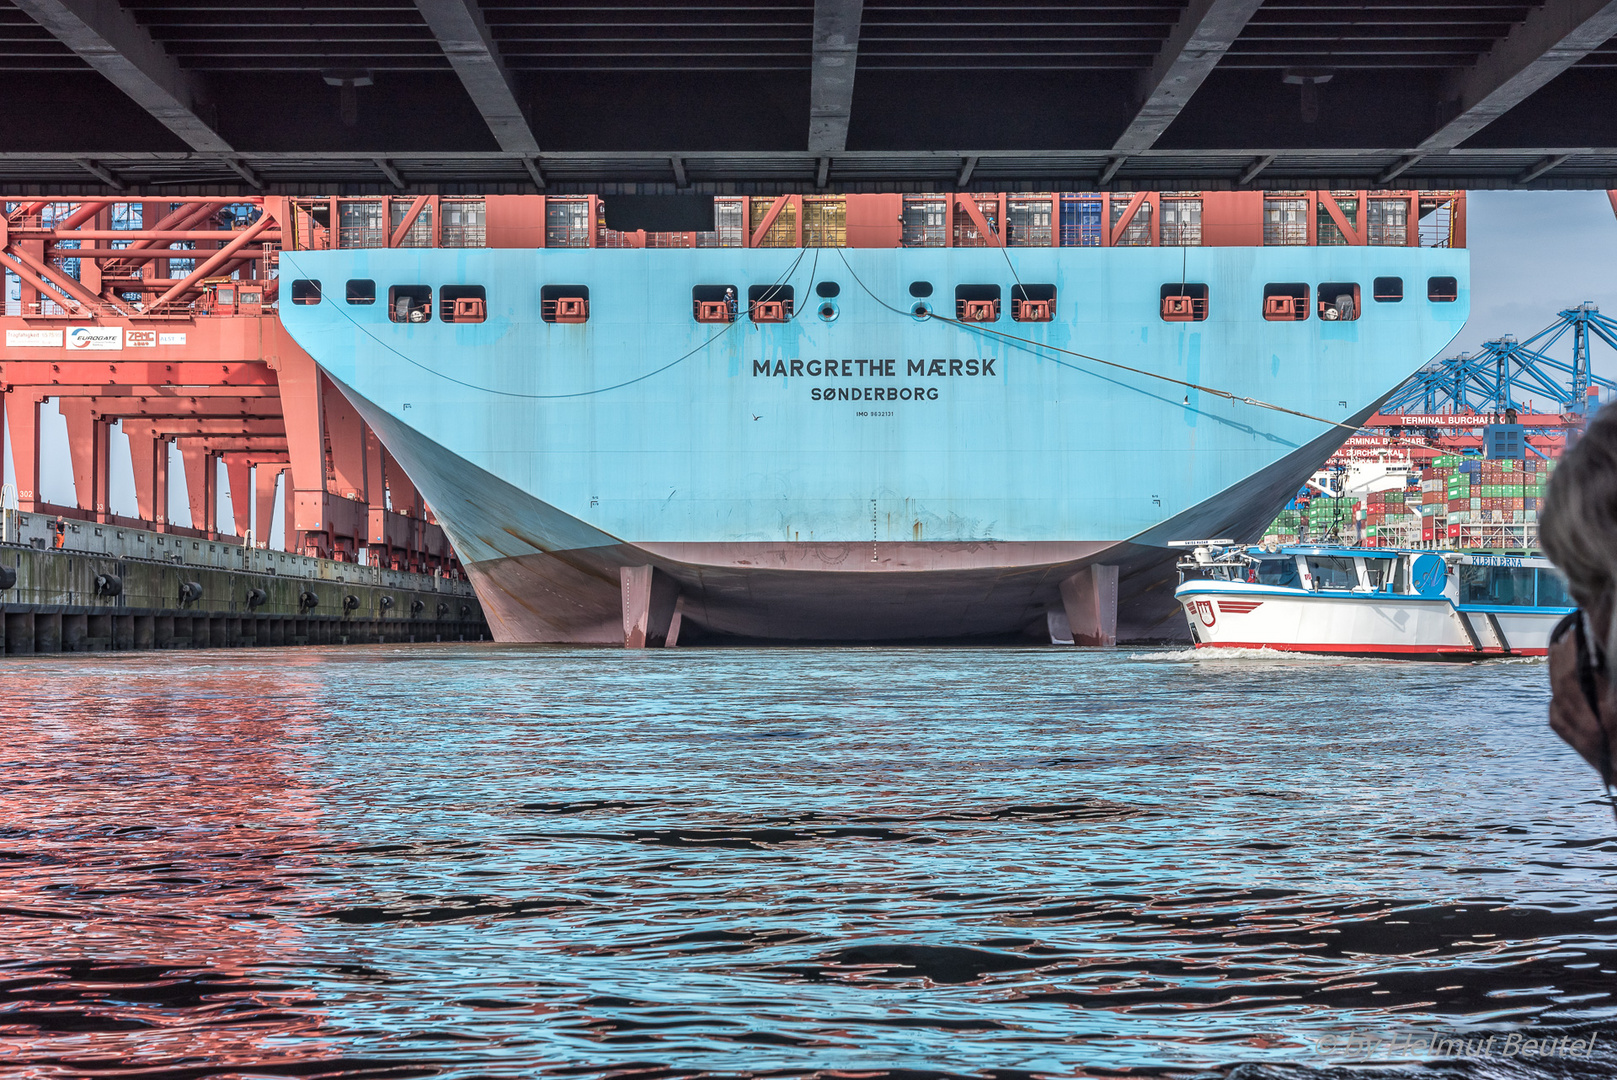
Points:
point(1203, 656)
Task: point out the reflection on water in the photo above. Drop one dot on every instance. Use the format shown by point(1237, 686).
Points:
point(497, 862)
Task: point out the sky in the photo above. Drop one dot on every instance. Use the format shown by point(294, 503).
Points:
point(1533, 253)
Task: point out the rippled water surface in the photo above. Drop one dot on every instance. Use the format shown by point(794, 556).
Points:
point(480, 861)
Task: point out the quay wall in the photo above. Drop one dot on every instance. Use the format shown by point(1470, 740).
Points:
point(93, 587)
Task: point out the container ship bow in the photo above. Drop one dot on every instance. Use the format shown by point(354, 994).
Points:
point(866, 418)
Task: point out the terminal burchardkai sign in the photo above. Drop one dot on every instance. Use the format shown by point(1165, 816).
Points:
point(1462, 420)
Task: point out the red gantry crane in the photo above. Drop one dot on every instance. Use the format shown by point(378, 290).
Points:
point(159, 316)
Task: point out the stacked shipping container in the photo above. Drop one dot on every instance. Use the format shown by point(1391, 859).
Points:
point(1388, 515)
point(1467, 490)
point(1461, 501)
point(934, 219)
point(1313, 518)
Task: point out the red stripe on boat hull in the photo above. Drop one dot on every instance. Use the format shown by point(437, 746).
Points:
point(1401, 651)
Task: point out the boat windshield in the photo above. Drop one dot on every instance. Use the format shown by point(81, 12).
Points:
point(1333, 572)
point(1513, 586)
point(1510, 586)
point(1552, 590)
point(1400, 576)
point(1280, 571)
point(1211, 572)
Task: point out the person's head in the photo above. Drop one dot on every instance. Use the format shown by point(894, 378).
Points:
point(1578, 522)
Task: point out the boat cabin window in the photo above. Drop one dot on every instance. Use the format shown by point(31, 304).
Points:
point(1375, 573)
point(409, 303)
point(1338, 301)
point(564, 303)
point(1497, 585)
point(770, 303)
point(1333, 572)
point(1033, 303)
point(1389, 290)
point(1400, 576)
point(1287, 302)
point(1552, 590)
point(976, 303)
point(1184, 302)
point(462, 303)
point(1442, 290)
point(361, 291)
point(920, 289)
point(827, 290)
point(714, 303)
point(305, 291)
point(1280, 571)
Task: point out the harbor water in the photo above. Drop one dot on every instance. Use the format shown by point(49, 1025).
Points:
point(486, 861)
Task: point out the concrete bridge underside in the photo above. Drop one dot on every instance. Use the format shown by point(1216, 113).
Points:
point(192, 97)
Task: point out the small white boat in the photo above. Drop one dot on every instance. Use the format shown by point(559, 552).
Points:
point(1412, 605)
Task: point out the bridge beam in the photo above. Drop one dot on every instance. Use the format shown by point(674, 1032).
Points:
point(465, 39)
point(1197, 42)
point(1556, 35)
point(836, 55)
point(108, 38)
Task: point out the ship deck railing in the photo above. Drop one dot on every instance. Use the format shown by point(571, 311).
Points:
point(1318, 218)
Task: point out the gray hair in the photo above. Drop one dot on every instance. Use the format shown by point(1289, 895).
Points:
point(1578, 521)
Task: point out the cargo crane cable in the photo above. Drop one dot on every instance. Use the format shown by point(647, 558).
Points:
point(1225, 394)
point(978, 328)
point(783, 278)
point(814, 269)
point(1008, 263)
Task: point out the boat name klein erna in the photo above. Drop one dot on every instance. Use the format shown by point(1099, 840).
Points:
point(1386, 602)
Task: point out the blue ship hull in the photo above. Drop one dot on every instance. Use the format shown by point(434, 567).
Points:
point(867, 476)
